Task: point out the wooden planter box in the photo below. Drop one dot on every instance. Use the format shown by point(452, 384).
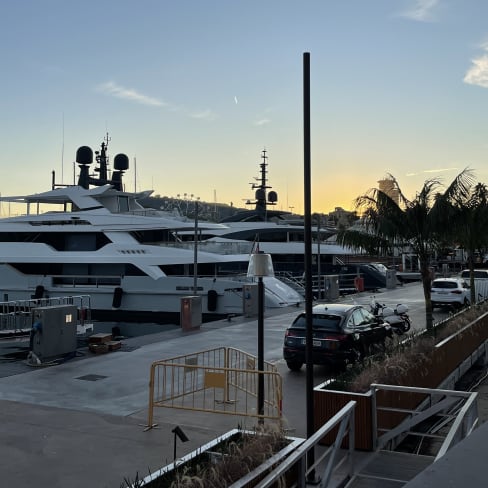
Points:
point(210, 453)
point(446, 357)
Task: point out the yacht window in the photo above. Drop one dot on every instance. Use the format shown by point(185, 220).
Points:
point(123, 204)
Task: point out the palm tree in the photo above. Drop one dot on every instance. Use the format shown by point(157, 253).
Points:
point(466, 216)
point(389, 223)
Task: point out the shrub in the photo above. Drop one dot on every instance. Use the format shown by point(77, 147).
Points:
point(390, 367)
point(228, 462)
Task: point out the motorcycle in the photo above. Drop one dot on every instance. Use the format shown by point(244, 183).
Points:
point(397, 317)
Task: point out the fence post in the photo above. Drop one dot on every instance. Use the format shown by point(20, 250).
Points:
point(374, 420)
point(150, 410)
point(227, 374)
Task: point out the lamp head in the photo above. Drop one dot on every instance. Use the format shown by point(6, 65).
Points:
point(181, 435)
point(260, 264)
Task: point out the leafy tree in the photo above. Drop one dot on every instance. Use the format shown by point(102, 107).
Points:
point(389, 222)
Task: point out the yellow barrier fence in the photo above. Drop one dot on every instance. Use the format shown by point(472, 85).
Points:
point(221, 380)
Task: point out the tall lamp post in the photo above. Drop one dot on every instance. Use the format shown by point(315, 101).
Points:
point(195, 251)
point(262, 265)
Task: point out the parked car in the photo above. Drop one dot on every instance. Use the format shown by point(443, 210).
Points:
point(480, 283)
point(450, 292)
point(342, 334)
point(479, 274)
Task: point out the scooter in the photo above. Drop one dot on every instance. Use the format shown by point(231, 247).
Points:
point(397, 317)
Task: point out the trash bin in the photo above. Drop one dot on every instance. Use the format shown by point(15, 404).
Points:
point(359, 283)
point(332, 290)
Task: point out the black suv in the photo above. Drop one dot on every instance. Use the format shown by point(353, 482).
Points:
point(342, 334)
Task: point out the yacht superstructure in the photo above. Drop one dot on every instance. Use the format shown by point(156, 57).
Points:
point(100, 242)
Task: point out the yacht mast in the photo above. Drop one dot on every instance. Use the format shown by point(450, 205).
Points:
point(262, 197)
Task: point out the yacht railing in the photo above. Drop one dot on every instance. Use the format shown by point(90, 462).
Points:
point(86, 280)
point(216, 247)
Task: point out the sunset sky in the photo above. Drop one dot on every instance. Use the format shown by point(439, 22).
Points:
point(194, 90)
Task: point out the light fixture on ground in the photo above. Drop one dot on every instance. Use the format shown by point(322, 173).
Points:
point(178, 432)
point(261, 266)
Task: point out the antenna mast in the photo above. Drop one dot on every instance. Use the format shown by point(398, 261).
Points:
point(135, 175)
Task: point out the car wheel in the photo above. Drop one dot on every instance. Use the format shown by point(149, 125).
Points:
point(466, 302)
point(294, 365)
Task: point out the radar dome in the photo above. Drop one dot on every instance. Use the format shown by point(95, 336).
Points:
point(84, 155)
point(260, 194)
point(273, 196)
point(121, 162)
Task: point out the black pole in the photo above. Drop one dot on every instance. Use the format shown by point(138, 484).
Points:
point(308, 256)
point(195, 252)
point(260, 349)
point(174, 447)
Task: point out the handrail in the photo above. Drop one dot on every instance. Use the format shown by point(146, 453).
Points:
point(344, 418)
point(465, 420)
point(460, 422)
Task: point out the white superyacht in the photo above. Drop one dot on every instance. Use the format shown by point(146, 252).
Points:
point(99, 241)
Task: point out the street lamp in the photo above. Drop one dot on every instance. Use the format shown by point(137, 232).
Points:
point(195, 250)
point(261, 265)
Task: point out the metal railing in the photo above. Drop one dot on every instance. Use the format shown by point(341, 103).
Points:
point(220, 380)
point(441, 407)
point(60, 281)
point(17, 316)
point(344, 420)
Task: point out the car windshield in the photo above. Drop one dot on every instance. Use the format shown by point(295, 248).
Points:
point(444, 284)
point(327, 322)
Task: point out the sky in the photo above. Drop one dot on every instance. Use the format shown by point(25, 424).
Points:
point(194, 90)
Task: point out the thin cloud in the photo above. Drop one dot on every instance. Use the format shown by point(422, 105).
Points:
point(114, 90)
point(204, 115)
point(478, 73)
point(261, 122)
point(427, 171)
point(421, 11)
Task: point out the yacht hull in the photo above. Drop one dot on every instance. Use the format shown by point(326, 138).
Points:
point(140, 299)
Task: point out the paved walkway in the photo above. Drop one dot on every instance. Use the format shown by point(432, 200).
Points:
point(81, 424)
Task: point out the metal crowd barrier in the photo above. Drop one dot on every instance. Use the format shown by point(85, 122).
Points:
point(221, 380)
point(16, 315)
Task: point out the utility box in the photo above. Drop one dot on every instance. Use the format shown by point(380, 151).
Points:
point(331, 285)
point(250, 297)
point(391, 279)
point(191, 312)
point(54, 331)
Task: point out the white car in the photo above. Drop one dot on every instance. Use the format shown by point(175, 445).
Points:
point(479, 274)
point(453, 292)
